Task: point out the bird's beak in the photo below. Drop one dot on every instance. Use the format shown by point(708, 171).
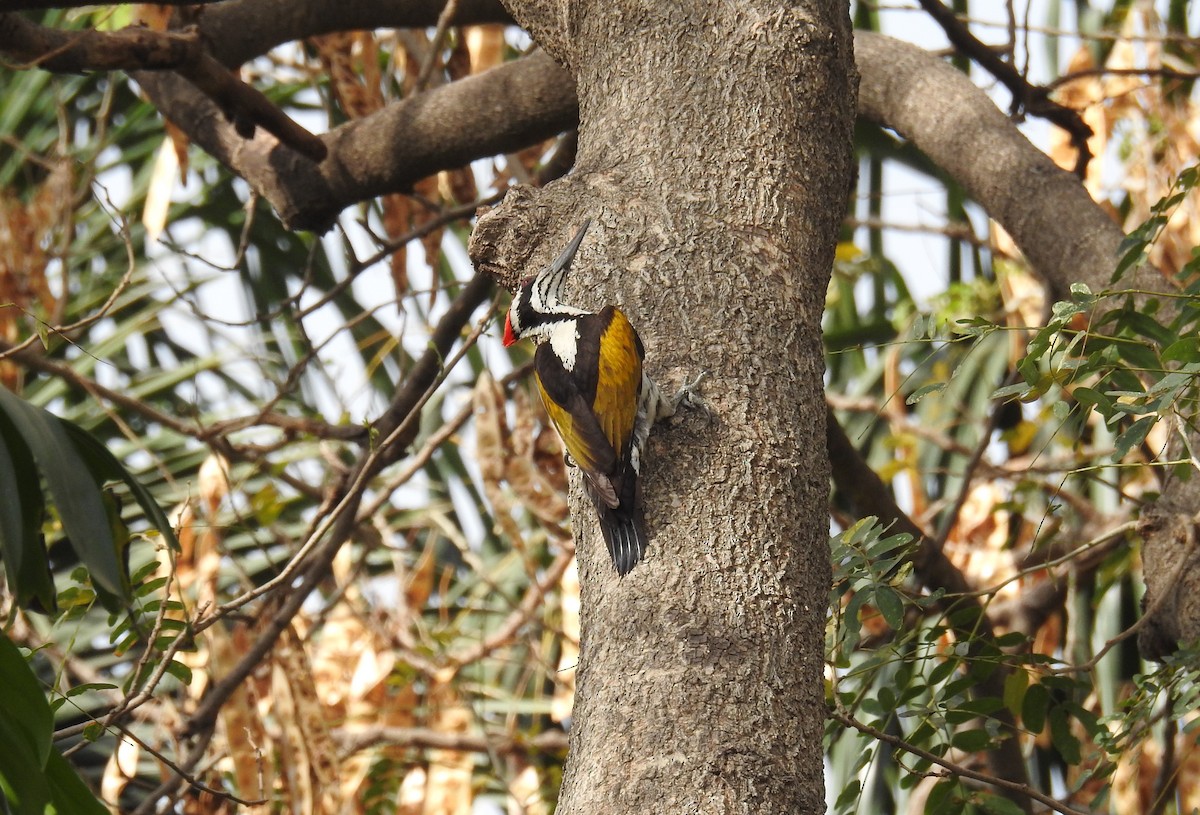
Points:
point(564, 258)
point(509, 336)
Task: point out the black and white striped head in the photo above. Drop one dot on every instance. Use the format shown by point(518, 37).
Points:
point(537, 305)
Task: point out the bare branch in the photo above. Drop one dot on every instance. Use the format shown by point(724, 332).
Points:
point(136, 48)
point(129, 49)
point(358, 740)
point(29, 5)
point(1066, 236)
point(1026, 97)
point(498, 111)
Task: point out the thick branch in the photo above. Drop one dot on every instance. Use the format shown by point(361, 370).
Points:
point(500, 110)
point(1050, 215)
point(129, 49)
point(237, 34)
point(29, 5)
point(1033, 100)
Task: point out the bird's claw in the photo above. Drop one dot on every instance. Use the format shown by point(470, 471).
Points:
point(688, 396)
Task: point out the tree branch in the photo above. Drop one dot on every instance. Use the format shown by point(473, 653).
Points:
point(1066, 236)
point(1029, 98)
point(351, 742)
point(30, 5)
point(498, 111)
point(140, 49)
point(128, 49)
point(236, 32)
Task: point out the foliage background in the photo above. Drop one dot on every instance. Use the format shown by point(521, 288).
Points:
point(234, 366)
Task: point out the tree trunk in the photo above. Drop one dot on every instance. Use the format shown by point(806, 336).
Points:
point(715, 159)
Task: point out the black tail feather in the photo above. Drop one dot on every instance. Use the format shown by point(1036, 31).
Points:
point(625, 533)
point(624, 526)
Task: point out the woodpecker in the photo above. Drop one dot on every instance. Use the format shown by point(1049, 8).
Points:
point(588, 369)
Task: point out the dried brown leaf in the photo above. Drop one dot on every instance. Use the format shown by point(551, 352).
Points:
point(458, 186)
point(525, 793)
point(158, 194)
point(351, 58)
point(154, 16)
point(311, 762)
point(411, 798)
point(448, 784)
point(978, 543)
point(245, 735)
point(564, 677)
point(420, 582)
point(485, 43)
point(121, 767)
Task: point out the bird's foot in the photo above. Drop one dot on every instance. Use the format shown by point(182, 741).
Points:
point(688, 397)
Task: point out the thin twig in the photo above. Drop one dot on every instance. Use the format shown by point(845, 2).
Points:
point(1151, 611)
point(842, 717)
point(968, 474)
point(435, 45)
point(355, 741)
point(419, 459)
point(1026, 97)
point(530, 603)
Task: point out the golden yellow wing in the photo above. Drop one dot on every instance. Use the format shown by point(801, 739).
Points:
point(617, 383)
point(581, 434)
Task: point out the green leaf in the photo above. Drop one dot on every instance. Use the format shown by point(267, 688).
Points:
point(1182, 350)
point(1148, 327)
point(1136, 256)
point(1060, 734)
point(1015, 686)
point(1090, 397)
point(997, 805)
point(943, 799)
point(1134, 435)
point(942, 670)
point(891, 606)
point(922, 392)
point(1018, 389)
point(971, 741)
point(68, 792)
point(26, 724)
point(21, 510)
point(75, 491)
point(104, 465)
point(180, 671)
point(1034, 707)
point(848, 796)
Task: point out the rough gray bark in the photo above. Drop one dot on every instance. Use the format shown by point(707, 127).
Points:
point(714, 158)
